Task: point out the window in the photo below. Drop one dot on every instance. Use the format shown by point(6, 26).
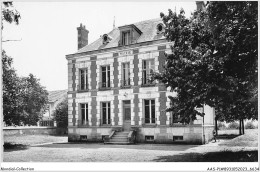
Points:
point(176, 119)
point(106, 39)
point(160, 28)
point(148, 69)
point(149, 111)
point(177, 138)
point(83, 137)
point(105, 76)
point(126, 38)
point(84, 114)
point(83, 79)
point(125, 75)
point(106, 113)
point(149, 138)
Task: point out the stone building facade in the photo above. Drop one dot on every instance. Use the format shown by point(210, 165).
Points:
point(109, 88)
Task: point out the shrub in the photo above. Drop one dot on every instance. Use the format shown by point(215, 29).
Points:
point(250, 125)
point(61, 114)
point(221, 125)
point(233, 125)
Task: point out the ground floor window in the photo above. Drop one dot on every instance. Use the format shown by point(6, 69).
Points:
point(106, 115)
point(149, 111)
point(176, 119)
point(177, 138)
point(47, 123)
point(84, 113)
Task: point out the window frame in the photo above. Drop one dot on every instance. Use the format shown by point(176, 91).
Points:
point(152, 121)
point(147, 70)
point(108, 121)
point(124, 33)
point(86, 79)
point(175, 122)
point(108, 77)
point(125, 82)
point(86, 114)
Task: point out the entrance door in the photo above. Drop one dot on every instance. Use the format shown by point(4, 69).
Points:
point(127, 115)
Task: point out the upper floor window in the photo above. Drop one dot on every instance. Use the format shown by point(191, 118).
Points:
point(83, 81)
point(106, 115)
point(149, 111)
point(126, 38)
point(84, 114)
point(129, 34)
point(105, 76)
point(148, 69)
point(125, 74)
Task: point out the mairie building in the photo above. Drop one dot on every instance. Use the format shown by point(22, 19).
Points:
point(111, 97)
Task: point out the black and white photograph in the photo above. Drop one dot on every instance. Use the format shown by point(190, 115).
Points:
point(130, 85)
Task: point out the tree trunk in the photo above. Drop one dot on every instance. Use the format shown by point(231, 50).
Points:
point(216, 126)
point(240, 128)
point(243, 127)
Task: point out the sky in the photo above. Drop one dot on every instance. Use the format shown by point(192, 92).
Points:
point(48, 31)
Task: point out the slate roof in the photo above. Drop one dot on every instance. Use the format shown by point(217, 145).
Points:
point(147, 27)
point(57, 95)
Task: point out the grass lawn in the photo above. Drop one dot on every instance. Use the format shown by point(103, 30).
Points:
point(20, 148)
point(23, 141)
point(225, 156)
point(249, 139)
point(234, 131)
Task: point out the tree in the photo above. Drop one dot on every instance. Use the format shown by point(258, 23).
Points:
point(61, 114)
point(24, 99)
point(11, 104)
point(35, 99)
point(213, 60)
point(11, 107)
point(9, 13)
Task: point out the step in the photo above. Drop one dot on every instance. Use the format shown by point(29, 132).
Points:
point(123, 132)
point(118, 143)
point(118, 140)
point(120, 134)
point(117, 136)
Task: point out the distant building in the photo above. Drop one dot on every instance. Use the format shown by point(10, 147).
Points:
point(54, 98)
point(110, 92)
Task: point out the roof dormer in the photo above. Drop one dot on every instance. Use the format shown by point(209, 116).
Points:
point(128, 34)
point(106, 39)
point(160, 28)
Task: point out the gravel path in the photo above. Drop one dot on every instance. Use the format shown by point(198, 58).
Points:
point(64, 152)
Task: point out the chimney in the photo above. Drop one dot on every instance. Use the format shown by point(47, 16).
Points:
point(200, 5)
point(82, 36)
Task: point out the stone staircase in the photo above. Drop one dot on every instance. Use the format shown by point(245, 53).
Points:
point(119, 138)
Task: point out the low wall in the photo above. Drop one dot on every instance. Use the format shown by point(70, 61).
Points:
point(93, 134)
point(189, 134)
point(34, 131)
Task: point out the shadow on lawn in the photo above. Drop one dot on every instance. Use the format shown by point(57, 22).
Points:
point(10, 147)
point(225, 156)
point(82, 145)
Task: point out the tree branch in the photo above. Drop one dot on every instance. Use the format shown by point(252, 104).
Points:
point(10, 40)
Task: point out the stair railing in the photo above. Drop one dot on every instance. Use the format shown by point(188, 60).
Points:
point(107, 138)
point(132, 136)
